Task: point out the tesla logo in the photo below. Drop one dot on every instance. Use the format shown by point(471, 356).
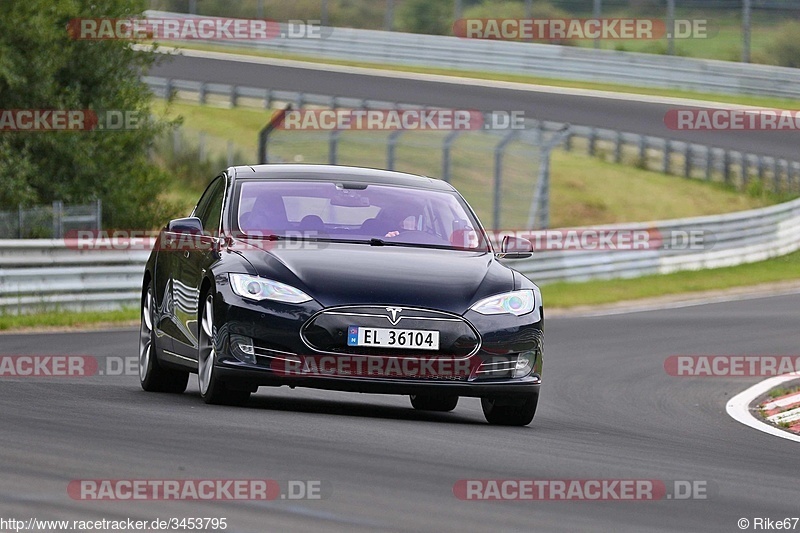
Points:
point(394, 311)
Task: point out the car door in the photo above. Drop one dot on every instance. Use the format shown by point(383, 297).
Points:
point(193, 262)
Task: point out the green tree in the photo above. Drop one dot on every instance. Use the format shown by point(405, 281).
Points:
point(433, 17)
point(42, 67)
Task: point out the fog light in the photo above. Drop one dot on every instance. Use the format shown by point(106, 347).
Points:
point(242, 349)
point(525, 362)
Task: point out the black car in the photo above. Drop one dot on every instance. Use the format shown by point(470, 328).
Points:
point(340, 278)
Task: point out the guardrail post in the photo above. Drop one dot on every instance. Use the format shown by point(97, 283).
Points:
point(167, 88)
point(568, 142)
point(726, 167)
point(20, 220)
point(745, 170)
point(667, 150)
point(776, 177)
point(499, 151)
point(268, 99)
point(592, 140)
point(618, 147)
point(760, 165)
point(687, 161)
point(201, 94)
point(643, 151)
point(709, 162)
point(234, 95)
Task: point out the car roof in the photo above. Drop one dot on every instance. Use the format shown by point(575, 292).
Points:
point(328, 172)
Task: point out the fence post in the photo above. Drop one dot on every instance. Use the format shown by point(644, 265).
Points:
point(499, 150)
point(58, 225)
point(391, 145)
point(333, 147)
point(446, 146)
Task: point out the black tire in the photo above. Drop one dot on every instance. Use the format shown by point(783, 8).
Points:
point(510, 412)
point(212, 389)
point(152, 375)
point(428, 402)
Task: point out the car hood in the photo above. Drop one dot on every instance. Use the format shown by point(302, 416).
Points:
point(358, 274)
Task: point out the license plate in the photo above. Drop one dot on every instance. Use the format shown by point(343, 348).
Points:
point(393, 338)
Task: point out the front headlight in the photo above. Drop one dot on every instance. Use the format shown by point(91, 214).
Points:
point(515, 303)
point(255, 288)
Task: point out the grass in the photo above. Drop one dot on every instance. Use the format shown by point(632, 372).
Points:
point(782, 391)
point(756, 101)
point(67, 319)
point(584, 190)
point(596, 292)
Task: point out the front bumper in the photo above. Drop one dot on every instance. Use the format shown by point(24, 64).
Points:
point(276, 333)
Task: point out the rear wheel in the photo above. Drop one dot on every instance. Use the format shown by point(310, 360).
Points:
point(429, 402)
point(510, 411)
point(212, 389)
point(153, 376)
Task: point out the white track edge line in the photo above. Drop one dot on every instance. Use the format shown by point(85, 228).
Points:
point(738, 407)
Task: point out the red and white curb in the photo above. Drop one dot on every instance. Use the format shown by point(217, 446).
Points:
point(785, 409)
point(738, 407)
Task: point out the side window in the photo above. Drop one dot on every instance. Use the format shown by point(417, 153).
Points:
point(209, 208)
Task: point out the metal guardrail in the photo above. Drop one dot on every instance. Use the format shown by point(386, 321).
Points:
point(46, 274)
point(690, 160)
point(544, 60)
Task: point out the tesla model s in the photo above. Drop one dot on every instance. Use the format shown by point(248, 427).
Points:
point(346, 279)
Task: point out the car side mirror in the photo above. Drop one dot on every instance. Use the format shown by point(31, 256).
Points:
point(191, 225)
point(515, 248)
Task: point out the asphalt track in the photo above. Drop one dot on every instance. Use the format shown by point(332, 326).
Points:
point(608, 411)
point(627, 115)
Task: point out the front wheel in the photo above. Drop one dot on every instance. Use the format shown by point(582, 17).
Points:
point(510, 411)
point(212, 389)
point(425, 402)
point(153, 376)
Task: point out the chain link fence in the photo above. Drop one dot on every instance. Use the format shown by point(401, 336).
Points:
point(50, 221)
point(503, 173)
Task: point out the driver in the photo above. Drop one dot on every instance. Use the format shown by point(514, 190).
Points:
point(408, 223)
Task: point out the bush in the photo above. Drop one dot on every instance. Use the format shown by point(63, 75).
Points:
point(784, 49)
point(432, 17)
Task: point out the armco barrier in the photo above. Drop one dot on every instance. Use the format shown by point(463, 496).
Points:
point(45, 274)
point(544, 60)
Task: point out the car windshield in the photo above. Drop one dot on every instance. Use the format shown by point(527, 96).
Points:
point(378, 214)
